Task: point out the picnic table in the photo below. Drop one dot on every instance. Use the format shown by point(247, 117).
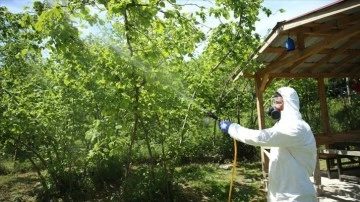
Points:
point(347, 155)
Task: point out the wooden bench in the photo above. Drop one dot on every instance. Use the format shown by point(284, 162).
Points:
point(350, 152)
point(352, 162)
point(329, 159)
point(327, 138)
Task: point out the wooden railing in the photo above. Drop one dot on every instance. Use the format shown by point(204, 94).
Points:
point(326, 139)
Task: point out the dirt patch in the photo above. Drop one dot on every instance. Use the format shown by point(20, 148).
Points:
point(18, 187)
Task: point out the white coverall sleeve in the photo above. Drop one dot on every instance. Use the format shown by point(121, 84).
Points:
point(280, 135)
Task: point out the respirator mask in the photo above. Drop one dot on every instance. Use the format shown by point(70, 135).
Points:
point(273, 112)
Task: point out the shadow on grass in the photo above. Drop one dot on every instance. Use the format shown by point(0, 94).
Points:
point(18, 187)
point(210, 183)
point(195, 182)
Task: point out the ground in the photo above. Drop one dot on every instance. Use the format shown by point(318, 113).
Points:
point(204, 183)
point(18, 187)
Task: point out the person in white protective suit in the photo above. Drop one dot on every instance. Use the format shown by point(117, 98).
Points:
point(293, 148)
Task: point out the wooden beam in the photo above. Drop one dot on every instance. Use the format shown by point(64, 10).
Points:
point(323, 106)
point(267, 42)
point(294, 66)
point(330, 138)
point(334, 53)
point(314, 75)
point(317, 175)
point(260, 103)
point(324, 29)
point(313, 49)
point(300, 46)
point(343, 62)
point(300, 40)
point(261, 123)
point(321, 14)
point(264, 82)
point(323, 52)
point(354, 73)
point(274, 50)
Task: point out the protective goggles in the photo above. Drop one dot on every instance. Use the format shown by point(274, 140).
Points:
point(277, 99)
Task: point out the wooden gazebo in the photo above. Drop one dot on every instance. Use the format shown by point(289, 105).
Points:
point(327, 45)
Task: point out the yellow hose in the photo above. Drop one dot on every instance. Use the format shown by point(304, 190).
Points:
point(233, 170)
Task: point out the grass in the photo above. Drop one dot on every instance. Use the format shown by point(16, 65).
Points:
point(18, 187)
point(17, 182)
point(194, 182)
point(210, 183)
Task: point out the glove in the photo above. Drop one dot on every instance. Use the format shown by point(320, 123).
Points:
point(224, 126)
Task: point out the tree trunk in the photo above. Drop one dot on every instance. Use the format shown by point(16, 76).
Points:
point(152, 162)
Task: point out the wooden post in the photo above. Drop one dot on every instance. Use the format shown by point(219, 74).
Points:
point(323, 106)
point(261, 123)
point(326, 130)
point(317, 176)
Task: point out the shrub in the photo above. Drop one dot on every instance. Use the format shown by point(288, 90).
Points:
point(4, 170)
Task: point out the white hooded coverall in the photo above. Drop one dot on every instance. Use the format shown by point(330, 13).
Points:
point(292, 154)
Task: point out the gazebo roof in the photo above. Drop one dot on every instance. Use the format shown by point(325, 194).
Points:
point(327, 44)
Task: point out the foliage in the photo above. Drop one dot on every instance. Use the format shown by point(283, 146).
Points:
point(309, 103)
point(343, 113)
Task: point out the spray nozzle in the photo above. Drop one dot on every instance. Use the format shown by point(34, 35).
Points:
point(212, 115)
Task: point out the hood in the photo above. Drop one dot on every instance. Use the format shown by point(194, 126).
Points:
point(291, 103)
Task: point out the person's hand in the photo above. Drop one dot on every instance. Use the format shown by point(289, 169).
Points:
point(224, 126)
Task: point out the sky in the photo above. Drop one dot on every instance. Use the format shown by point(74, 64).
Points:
point(293, 8)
